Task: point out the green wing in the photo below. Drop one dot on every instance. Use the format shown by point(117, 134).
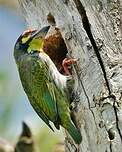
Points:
point(40, 89)
point(43, 116)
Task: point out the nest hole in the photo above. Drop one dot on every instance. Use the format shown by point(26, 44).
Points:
point(54, 46)
point(111, 134)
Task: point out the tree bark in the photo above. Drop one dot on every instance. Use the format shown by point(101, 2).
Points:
point(92, 31)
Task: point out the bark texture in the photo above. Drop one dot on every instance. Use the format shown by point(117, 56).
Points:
point(92, 31)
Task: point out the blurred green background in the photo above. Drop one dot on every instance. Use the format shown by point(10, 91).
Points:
point(14, 105)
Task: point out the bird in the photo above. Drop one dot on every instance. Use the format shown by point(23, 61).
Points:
point(25, 142)
point(44, 85)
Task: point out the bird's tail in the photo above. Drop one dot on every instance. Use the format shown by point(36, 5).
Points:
point(74, 133)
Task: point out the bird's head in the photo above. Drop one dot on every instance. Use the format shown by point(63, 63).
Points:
point(31, 40)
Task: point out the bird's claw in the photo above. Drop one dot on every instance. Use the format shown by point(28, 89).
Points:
point(67, 63)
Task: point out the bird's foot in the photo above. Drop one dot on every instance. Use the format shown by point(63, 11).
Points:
point(67, 65)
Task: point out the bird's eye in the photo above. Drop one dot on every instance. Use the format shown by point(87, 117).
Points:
point(27, 34)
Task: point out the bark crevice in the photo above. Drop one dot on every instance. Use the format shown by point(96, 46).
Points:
point(85, 93)
point(86, 26)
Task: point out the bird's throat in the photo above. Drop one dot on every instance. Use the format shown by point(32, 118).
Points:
point(36, 44)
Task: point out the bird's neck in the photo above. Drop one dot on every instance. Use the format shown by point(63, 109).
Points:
point(59, 79)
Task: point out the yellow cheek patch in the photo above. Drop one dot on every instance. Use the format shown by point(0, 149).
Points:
point(35, 44)
point(25, 39)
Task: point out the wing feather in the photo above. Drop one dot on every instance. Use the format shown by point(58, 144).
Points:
point(39, 88)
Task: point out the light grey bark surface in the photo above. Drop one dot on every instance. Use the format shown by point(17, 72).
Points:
point(92, 30)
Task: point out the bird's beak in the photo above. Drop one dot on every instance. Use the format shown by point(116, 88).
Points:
point(41, 33)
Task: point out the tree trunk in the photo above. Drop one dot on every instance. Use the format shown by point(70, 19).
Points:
point(92, 31)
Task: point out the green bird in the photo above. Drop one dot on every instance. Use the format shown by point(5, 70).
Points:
point(44, 85)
